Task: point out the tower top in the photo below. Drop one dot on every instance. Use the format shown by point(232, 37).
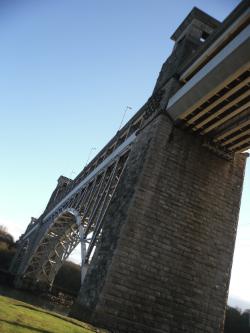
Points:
point(197, 24)
point(62, 180)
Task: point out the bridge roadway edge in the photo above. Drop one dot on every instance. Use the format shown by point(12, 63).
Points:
point(164, 260)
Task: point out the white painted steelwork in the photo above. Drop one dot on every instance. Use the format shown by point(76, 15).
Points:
point(80, 222)
point(217, 61)
point(216, 45)
point(217, 99)
point(118, 151)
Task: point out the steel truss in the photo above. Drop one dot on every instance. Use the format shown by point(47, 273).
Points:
point(80, 219)
point(21, 252)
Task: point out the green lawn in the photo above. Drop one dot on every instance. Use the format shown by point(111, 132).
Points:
point(19, 317)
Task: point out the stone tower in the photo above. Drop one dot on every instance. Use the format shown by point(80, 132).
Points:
point(165, 256)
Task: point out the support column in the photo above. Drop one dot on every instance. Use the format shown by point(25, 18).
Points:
point(164, 260)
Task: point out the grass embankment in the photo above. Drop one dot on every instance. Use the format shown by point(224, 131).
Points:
point(19, 317)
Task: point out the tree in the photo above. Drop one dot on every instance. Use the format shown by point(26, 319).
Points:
point(236, 321)
point(7, 248)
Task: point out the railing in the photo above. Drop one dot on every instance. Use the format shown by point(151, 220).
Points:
point(77, 189)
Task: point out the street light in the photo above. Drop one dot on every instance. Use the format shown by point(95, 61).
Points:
point(90, 152)
point(124, 114)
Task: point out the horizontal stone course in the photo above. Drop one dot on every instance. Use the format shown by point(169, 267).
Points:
point(173, 237)
point(165, 256)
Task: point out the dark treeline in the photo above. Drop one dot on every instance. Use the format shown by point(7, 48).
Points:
point(68, 278)
point(68, 281)
point(7, 249)
point(237, 321)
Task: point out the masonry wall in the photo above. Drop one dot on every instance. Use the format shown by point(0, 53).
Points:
point(164, 261)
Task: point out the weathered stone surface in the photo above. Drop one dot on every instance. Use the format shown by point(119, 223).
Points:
point(164, 260)
point(165, 257)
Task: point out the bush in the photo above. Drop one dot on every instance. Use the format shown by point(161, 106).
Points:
point(68, 278)
point(7, 248)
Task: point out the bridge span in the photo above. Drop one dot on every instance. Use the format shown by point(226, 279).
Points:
point(156, 210)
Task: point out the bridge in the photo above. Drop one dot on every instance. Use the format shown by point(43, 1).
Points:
point(156, 210)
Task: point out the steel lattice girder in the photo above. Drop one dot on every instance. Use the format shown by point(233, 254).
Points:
point(79, 221)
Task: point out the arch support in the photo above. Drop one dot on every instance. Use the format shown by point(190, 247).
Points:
point(79, 219)
point(60, 239)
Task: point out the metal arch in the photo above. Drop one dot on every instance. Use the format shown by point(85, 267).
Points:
point(22, 249)
point(75, 213)
point(117, 153)
point(62, 236)
point(80, 219)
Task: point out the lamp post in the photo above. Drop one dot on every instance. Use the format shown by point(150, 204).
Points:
point(90, 152)
point(124, 114)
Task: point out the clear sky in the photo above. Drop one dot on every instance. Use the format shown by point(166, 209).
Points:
point(68, 70)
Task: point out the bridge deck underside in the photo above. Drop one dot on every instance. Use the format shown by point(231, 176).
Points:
point(223, 117)
point(215, 103)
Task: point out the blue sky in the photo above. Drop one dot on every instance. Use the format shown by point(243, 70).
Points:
point(68, 70)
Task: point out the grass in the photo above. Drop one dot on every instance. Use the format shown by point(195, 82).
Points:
point(20, 317)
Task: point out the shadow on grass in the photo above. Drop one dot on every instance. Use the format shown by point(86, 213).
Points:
point(14, 323)
point(67, 319)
